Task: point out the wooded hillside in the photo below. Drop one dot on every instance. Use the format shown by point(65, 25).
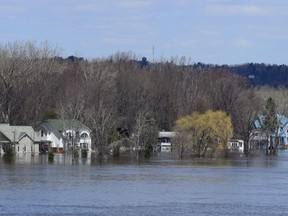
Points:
point(120, 91)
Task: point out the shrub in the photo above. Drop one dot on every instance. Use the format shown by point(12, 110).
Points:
point(51, 156)
point(84, 153)
point(116, 151)
point(9, 154)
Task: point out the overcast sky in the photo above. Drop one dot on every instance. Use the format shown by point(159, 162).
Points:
point(207, 31)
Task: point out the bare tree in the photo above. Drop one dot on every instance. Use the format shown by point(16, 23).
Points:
point(100, 105)
point(103, 125)
point(248, 109)
point(145, 134)
point(25, 79)
point(280, 96)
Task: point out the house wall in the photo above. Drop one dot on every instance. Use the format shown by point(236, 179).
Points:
point(55, 142)
point(25, 145)
point(236, 145)
point(36, 148)
point(43, 136)
point(85, 140)
point(285, 135)
point(59, 144)
point(81, 139)
point(1, 150)
point(258, 140)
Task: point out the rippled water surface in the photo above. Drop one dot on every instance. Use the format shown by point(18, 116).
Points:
point(158, 186)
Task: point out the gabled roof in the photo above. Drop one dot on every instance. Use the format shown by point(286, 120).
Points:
point(4, 138)
point(15, 133)
point(58, 125)
point(22, 135)
point(283, 120)
point(258, 123)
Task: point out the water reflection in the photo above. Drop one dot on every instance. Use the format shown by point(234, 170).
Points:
point(160, 185)
point(165, 158)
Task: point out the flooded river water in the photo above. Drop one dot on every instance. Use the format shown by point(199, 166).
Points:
point(158, 186)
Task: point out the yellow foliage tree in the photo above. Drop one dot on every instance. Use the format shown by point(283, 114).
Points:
point(210, 130)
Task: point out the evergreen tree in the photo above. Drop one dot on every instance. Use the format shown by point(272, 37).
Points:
point(270, 123)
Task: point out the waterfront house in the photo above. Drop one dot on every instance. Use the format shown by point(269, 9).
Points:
point(165, 140)
point(259, 139)
point(21, 138)
point(236, 145)
point(63, 135)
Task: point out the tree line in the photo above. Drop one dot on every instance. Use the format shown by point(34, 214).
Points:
point(259, 74)
point(122, 92)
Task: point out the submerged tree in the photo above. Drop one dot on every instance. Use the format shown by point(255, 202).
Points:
point(210, 130)
point(249, 106)
point(146, 133)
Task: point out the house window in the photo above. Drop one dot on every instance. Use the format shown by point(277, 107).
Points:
point(84, 135)
point(42, 133)
point(69, 135)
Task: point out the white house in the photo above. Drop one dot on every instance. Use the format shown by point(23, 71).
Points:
point(21, 138)
point(164, 140)
point(62, 135)
point(236, 146)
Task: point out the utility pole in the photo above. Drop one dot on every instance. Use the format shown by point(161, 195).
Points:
point(153, 53)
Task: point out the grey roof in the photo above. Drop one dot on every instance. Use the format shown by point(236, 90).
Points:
point(15, 133)
point(168, 134)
